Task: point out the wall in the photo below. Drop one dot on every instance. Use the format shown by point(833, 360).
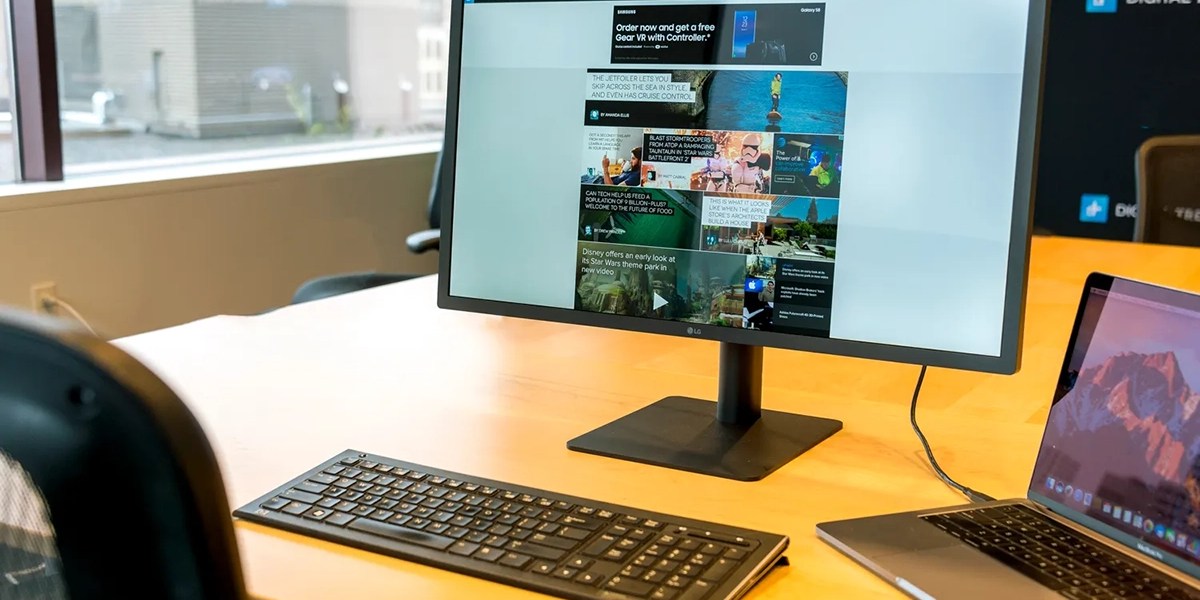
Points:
point(143, 256)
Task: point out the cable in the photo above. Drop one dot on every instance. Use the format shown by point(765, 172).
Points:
point(971, 494)
point(51, 302)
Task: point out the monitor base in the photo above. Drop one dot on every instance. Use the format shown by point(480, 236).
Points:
point(681, 433)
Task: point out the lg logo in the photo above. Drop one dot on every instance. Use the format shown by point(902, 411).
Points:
point(694, 331)
point(1127, 211)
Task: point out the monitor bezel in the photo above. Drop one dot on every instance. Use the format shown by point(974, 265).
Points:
point(1007, 362)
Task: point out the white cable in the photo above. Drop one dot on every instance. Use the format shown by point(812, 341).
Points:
point(53, 301)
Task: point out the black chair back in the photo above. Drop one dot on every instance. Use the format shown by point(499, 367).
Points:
point(1168, 181)
point(435, 195)
point(108, 486)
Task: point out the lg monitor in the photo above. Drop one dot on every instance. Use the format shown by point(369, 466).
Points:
point(850, 177)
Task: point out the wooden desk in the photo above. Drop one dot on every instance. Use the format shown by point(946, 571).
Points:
point(385, 371)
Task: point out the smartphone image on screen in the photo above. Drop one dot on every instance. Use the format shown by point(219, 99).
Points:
point(743, 31)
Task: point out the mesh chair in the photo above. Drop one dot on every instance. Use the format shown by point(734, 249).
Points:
point(108, 486)
point(418, 243)
point(1168, 182)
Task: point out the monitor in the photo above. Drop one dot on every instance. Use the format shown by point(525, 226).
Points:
point(851, 177)
point(1121, 77)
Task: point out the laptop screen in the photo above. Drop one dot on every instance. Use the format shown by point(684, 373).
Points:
point(1121, 452)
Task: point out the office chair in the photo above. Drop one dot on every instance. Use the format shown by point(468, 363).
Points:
point(108, 486)
point(418, 243)
point(1168, 183)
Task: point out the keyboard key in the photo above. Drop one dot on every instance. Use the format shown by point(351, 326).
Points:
point(488, 554)
point(590, 578)
point(626, 585)
point(542, 567)
point(654, 576)
point(514, 560)
point(402, 534)
point(535, 550)
point(339, 518)
point(322, 479)
point(581, 522)
point(314, 488)
point(663, 593)
point(301, 496)
point(580, 563)
point(553, 541)
point(697, 591)
point(317, 514)
point(463, 548)
point(296, 508)
point(718, 570)
point(573, 533)
point(566, 573)
point(632, 571)
point(275, 503)
point(600, 545)
point(327, 502)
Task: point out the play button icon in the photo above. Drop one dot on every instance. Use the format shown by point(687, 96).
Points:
point(659, 302)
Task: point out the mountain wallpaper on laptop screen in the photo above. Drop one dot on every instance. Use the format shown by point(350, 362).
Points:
point(1136, 410)
point(1128, 431)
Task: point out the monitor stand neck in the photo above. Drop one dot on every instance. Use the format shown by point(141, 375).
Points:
point(739, 384)
point(742, 442)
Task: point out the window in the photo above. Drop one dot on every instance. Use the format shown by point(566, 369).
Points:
point(8, 155)
point(142, 82)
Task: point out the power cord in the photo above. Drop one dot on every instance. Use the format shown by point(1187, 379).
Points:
point(971, 494)
point(52, 302)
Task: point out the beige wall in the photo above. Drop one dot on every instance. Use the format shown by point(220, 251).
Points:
point(138, 257)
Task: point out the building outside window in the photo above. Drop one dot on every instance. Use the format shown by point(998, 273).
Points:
point(153, 82)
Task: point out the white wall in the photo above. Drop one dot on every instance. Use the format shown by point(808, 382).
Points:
point(143, 256)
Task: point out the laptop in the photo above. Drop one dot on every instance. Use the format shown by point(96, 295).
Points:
point(1113, 508)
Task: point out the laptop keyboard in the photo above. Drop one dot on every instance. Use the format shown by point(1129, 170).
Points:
point(1055, 555)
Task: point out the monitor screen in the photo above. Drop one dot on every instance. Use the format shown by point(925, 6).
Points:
point(1122, 443)
point(848, 176)
point(1119, 73)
